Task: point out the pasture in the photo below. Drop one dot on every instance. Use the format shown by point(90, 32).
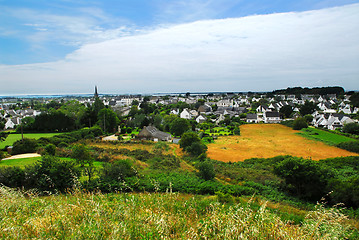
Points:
point(14, 137)
point(324, 136)
point(270, 140)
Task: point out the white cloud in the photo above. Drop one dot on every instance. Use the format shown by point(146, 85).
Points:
point(242, 54)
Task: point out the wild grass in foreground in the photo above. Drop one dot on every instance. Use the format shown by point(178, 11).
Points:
point(153, 216)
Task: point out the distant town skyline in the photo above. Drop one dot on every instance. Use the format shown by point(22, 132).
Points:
point(154, 46)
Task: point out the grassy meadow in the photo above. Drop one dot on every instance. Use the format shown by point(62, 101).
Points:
point(270, 140)
point(11, 138)
point(81, 215)
point(324, 136)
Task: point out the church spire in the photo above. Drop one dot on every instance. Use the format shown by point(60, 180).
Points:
point(96, 94)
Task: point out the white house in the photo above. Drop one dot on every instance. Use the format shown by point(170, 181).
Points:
point(185, 114)
point(12, 122)
point(201, 119)
point(252, 118)
point(271, 117)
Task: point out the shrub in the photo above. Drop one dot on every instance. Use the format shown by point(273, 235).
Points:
point(52, 175)
point(12, 176)
point(50, 149)
point(352, 146)
point(352, 128)
point(117, 171)
point(299, 123)
point(306, 177)
point(237, 131)
point(206, 170)
point(26, 146)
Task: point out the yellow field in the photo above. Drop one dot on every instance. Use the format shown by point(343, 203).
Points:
point(270, 140)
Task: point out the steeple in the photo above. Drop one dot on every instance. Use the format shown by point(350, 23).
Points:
point(96, 94)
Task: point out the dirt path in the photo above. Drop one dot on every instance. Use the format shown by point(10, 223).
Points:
point(26, 155)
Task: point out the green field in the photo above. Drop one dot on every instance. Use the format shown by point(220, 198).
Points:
point(14, 137)
point(323, 136)
point(22, 162)
point(218, 131)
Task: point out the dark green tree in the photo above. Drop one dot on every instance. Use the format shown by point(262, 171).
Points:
point(179, 126)
point(307, 108)
point(108, 120)
point(82, 154)
point(352, 128)
point(286, 111)
point(306, 178)
point(299, 123)
point(206, 170)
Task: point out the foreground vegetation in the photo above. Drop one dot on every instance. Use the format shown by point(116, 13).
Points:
point(82, 215)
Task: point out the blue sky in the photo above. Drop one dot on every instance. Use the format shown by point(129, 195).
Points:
point(169, 46)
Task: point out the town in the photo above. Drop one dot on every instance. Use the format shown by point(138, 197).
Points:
point(204, 111)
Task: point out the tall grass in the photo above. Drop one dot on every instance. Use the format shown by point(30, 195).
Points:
point(82, 215)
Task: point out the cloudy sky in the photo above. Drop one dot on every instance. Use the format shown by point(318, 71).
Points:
point(151, 46)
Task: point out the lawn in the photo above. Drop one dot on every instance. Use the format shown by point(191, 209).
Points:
point(14, 137)
point(21, 162)
point(270, 140)
point(324, 136)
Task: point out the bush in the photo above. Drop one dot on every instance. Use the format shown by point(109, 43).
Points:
point(299, 123)
point(352, 146)
point(306, 178)
point(352, 128)
point(206, 170)
point(26, 146)
point(237, 131)
point(50, 149)
point(12, 176)
point(117, 171)
point(52, 175)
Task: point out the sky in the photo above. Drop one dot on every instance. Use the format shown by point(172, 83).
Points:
point(165, 46)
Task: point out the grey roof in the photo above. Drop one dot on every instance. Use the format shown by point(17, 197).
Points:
point(251, 116)
point(272, 114)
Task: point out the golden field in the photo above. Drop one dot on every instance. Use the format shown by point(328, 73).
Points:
point(270, 140)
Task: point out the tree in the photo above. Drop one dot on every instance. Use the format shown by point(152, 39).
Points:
point(191, 143)
point(308, 118)
point(179, 126)
point(306, 177)
point(307, 108)
point(299, 123)
point(237, 131)
point(82, 154)
point(108, 120)
point(188, 138)
point(206, 170)
point(286, 110)
point(352, 128)
point(354, 98)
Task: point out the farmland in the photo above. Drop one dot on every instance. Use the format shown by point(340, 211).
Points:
point(270, 140)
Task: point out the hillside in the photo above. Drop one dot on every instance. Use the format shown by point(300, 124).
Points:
point(156, 216)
